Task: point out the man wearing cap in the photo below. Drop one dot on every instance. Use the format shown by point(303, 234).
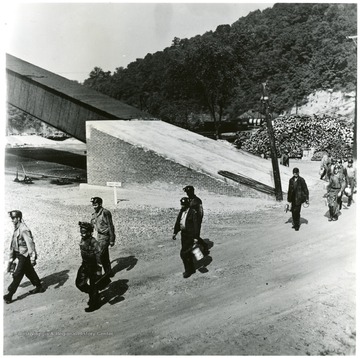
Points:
point(101, 219)
point(196, 204)
point(350, 177)
point(187, 224)
point(335, 191)
point(90, 269)
point(22, 248)
point(298, 193)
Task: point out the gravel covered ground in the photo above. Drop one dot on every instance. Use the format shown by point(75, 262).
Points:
point(265, 290)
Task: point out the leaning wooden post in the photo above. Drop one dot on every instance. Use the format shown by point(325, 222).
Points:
point(274, 160)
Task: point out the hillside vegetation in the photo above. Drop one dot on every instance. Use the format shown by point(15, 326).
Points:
point(302, 51)
point(297, 48)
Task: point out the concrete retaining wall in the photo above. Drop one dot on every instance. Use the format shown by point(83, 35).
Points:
point(110, 159)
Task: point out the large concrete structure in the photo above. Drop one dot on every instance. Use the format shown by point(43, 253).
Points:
point(55, 100)
point(121, 146)
point(154, 151)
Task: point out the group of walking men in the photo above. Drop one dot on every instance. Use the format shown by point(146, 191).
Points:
point(341, 180)
point(95, 270)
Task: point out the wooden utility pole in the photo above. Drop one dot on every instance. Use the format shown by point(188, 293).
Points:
point(275, 164)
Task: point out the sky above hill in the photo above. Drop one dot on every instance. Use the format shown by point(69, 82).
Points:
point(71, 39)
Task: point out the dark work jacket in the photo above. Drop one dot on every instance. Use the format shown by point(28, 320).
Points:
point(298, 191)
point(191, 230)
point(196, 204)
point(90, 253)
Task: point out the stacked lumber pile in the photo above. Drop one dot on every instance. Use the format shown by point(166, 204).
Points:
point(297, 133)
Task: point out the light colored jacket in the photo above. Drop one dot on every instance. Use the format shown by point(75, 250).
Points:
point(23, 243)
point(103, 225)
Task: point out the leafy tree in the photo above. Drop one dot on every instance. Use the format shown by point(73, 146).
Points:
point(296, 48)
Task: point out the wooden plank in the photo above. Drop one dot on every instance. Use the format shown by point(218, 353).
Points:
point(249, 182)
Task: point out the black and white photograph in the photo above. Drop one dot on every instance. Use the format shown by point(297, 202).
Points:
point(180, 178)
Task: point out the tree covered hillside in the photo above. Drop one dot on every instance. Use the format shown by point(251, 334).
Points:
point(296, 48)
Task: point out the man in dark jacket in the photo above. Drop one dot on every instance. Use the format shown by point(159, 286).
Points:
point(102, 221)
point(187, 223)
point(196, 204)
point(90, 270)
point(298, 193)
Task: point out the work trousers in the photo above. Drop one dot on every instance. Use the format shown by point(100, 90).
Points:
point(295, 211)
point(86, 279)
point(104, 255)
point(333, 202)
point(351, 182)
point(186, 252)
point(24, 267)
point(323, 173)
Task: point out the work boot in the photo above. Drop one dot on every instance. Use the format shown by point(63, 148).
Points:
point(38, 289)
point(330, 214)
point(187, 274)
point(8, 298)
point(94, 304)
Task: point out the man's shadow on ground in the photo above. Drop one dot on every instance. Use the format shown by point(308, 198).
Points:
point(202, 264)
point(56, 279)
point(113, 293)
point(327, 213)
point(302, 221)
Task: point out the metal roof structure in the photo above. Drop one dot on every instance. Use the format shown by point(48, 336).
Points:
point(60, 102)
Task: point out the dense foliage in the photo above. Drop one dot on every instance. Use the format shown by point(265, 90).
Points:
point(296, 48)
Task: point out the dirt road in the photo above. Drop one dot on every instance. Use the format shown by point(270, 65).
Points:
point(268, 289)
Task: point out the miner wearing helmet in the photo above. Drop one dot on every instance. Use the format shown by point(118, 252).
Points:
point(350, 178)
point(90, 270)
point(335, 191)
point(22, 249)
point(187, 224)
point(196, 204)
point(102, 221)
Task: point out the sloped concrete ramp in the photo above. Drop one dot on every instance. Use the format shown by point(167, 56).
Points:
point(189, 150)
